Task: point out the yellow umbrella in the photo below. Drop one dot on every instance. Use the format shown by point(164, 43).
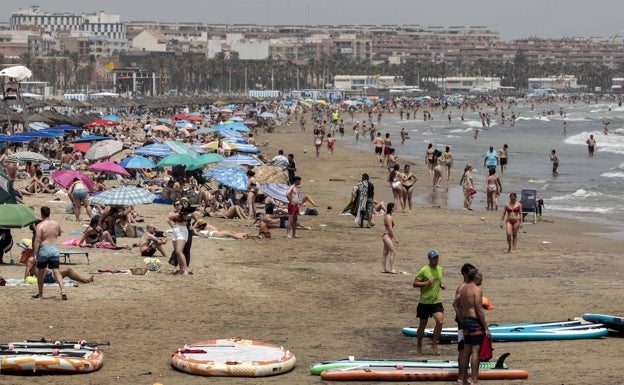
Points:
point(161, 127)
point(321, 101)
point(226, 146)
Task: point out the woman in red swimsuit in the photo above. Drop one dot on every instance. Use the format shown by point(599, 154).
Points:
point(513, 210)
point(389, 239)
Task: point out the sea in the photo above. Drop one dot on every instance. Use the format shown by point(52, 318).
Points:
point(590, 189)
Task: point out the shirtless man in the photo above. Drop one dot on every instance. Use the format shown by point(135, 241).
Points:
point(378, 142)
point(150, 243)
point(469, 305)
point(293, 207)
point(45, 248)
point(503, 157)
point(466, 268)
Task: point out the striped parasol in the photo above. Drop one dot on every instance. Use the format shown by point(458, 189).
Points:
point(124, 196)
point(27, 156)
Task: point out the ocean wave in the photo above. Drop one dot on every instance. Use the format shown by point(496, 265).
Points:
point(581, 209)
point(613, 174)
point(537, 181)
point(604, 143)
point(580, 193)
point(460, 130)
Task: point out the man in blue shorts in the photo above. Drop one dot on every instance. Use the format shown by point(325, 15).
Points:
point(45, 248)
point(429, 281)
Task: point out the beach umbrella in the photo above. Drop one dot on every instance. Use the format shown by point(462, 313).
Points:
point(205, 130)
point(110, 167)
point(277, 191)
point(236, 119)
point(14, 216)
point(233, 177)
point(164, 121)
point(267, 114)
point(27, 156)
point(40, 134)
point(15, 139)
point(123, 196)
point(244, 160)
point(7, 193)
point(232, 126)
point(195, 118)
point(179, 117)
point(113, 118)
point(66, 127)
point(65, 178)
point(137, 162)
point(228, 146)
point(182, 148)
point(157, 150)
point(176, 160)
point(161, 127)
point(203, 160)
point(102, 122)
point(19, 73)
point(225, 110)
point(247, 148)
point(89, 139)
point(104, 149)
point(37, 126)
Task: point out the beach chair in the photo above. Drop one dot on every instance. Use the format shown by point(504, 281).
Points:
point(528, 200)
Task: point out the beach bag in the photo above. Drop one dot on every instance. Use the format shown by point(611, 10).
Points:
point(311, 211)
point(486, 349)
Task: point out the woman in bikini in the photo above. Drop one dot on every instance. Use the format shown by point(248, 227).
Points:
point(252, 191)
point(95, 236)
point(493, 188)
point(438, 165)
point(397, 188)
point(468, 186)
point(387, 142)
point(203, 229)
point(389, 239)
point(177, 221)
point(79, 194)
point(513, 210)
point(429, 158)
point(330, 144)
point(408, 181)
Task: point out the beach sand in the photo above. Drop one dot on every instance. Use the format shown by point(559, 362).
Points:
point(323, 296)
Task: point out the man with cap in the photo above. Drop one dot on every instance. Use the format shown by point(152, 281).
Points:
point(429, 281)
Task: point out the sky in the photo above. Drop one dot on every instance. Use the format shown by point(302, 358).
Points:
point(513, 19)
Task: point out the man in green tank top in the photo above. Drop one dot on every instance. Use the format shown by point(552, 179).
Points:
point(429, 281)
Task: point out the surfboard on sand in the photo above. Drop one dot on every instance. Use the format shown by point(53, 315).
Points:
point(384, 373)
point(233, 358)
point(353, 362)
point(612, 322)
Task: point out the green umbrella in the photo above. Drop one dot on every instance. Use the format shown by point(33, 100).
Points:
point(7, 193)
point(176, 160)
point(204, 160)
point(16, 216)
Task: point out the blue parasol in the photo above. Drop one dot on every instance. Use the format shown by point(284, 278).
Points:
point(277, 191)
point(233, 177)
point(137, 162)
point(244, 160)
point(123, 196)
point(158, 150)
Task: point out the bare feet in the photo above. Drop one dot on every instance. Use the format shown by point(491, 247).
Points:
point(91, 278)
point(436, 349)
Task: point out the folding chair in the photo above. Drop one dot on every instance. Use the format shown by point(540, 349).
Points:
point(528, 200)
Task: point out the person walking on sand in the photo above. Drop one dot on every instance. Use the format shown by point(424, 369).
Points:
point(466, 268)
point(447, 156)
point(389, 239)
point(331, 141)
point(513, 211)
point(503, 157)
point(469, 305)
point(429, 281)
point(554, 158)
point(292, 194)
point(180, 235)
point(45, 248)
point(591, 145)
point(468, 187)
point(493, 188)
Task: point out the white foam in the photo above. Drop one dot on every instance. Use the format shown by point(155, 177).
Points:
point(460, 130)
point(581, 209)
point(613, 174)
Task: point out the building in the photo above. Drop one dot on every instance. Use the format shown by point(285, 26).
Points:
point(558, 83)
point(467, 84)
point(364, 82)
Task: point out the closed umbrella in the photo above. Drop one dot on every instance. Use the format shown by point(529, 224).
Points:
point(104, 149)
point(137, 162)
point(110, 167)
point(27, 156)
point(277, 191)
point(176, 160)
point(13, 216)
point(233, 177)
point(123, 196)
point(65, 178)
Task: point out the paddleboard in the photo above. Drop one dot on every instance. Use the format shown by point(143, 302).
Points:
point(233, 358)
point(50, 360)
point(384, 373)
point(582, 331)
point(352, 362)
point(612, 322)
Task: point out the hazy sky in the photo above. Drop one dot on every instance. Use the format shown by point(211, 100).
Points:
point(513, 19)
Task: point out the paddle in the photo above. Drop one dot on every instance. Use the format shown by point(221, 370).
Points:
point(53, 353)
point(43, 343)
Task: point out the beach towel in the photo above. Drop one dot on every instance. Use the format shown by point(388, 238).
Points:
point(20, 282)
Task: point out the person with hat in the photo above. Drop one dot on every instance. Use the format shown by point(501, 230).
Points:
point(429, 281)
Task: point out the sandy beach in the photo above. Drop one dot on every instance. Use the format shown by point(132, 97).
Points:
point(323, 296)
